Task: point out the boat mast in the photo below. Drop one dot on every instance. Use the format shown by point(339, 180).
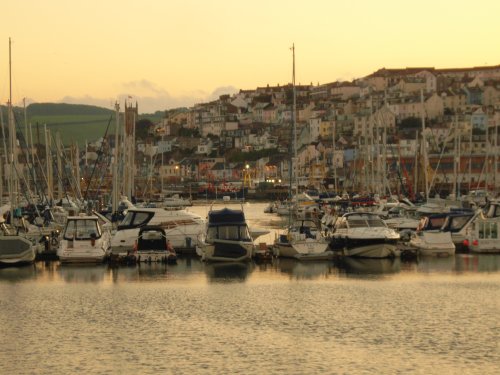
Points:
point(294, 119)
point(116, 185)
point(495, 158)
point(424, 146)
point(334, 164)
point(3, 157)
point(12, 145)
point(455, 159)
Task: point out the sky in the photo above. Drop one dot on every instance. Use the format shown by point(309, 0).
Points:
point(170, 53)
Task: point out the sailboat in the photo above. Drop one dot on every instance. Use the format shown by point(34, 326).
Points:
point(15, 248)
point(302, 239)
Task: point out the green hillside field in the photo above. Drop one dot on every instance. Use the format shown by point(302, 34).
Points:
point(73, 128)
point(76, 123)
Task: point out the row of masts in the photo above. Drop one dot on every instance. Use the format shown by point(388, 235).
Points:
point(29, 181)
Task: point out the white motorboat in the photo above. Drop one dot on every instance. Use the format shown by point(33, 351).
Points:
point(403, 218)
point(364, 234)
point(15, 249)
point(84, 240)
point(176, 201)
point(153, 246)
point(433, 243)
point(227, 237)
point(284, 208)
point(181, 227)
point(303, 240)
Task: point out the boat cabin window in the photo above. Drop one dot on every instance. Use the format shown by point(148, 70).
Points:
point(497, 211)
point(357, 221)
point(229, 232)
point(456, 223)
point(488, 230)
point(134, 219)
point(81, 230)
point(212, 233)
point(435, 222)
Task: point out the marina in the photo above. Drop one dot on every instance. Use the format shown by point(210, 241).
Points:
point(333, 227)
point(340, 314)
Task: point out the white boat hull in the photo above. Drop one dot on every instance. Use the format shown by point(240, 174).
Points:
point(82, 251)
point(226, 251)
point(16, 250)
point(433, 243)
point(309, 249)
point(377, 250)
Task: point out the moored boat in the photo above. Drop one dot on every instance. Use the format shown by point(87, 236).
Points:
point(226, 238)
point(153, 246)
point(181, 227)
point(303, 241)
point(364, 234)
point(15, 249)
point(84, 240)
point(433, 243)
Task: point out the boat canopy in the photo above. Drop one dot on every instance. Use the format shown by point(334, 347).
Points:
point(226, 216)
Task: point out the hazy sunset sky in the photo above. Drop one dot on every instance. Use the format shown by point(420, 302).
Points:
point(173, 53)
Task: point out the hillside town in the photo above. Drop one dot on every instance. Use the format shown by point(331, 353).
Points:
point(372, 135)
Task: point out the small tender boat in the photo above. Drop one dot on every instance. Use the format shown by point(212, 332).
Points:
point(227, 237)
point(153, 246)
point(85, 240)
point(176, 201)
point(303, 241)
point(15, 249)
point(364, 234)
point(433, 242)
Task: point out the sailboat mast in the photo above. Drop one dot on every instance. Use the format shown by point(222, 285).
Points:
point(12, 144)
point(116, 184)
point(455, 160)
point(294, 115)
point(424, 146)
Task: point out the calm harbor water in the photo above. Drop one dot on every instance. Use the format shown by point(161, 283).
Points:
point(429, 316)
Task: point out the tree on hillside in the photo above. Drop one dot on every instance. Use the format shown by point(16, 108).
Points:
point(142, 128)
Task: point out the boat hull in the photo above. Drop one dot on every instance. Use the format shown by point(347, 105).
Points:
point(304, 250)
point(83, 251)
point(226, 251)
point(16, 250)
point(366, 248)
point(433, 243)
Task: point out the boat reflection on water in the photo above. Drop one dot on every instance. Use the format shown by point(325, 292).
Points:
point(477, 262)
point(233, 271)
point(305, 270)
point(83, 273)
point(17, 274)
point(368, 266)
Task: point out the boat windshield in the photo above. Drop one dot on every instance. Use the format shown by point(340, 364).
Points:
point(372, 221)
point(134, 219)
point(82, 229)
point(229, 232)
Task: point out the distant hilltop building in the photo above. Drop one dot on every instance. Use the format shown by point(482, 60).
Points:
point(131, 116)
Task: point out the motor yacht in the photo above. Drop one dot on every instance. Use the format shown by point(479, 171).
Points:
point(181, 227)
point(85, 240)
point(226, 238)
point(364, 234)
